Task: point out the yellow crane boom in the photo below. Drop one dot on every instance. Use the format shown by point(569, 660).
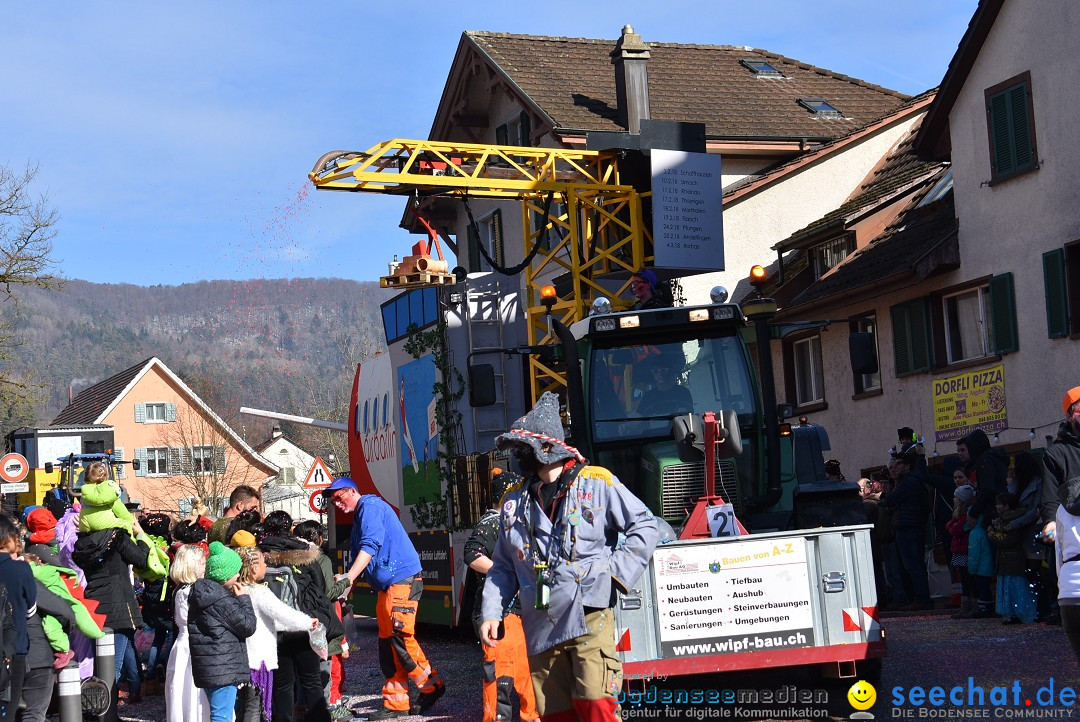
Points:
point(599, 217)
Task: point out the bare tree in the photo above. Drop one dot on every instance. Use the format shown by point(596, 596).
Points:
point(202, 461)
point(27, 227)
point(329, 400)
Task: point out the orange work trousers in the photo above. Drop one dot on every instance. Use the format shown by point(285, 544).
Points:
point(400, 656)
point(506, 669)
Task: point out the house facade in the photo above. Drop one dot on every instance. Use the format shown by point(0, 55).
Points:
point(970, 291)
point(184, 448)
point(286, 491)
point(761, 112)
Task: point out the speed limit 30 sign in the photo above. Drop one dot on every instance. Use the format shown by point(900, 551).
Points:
point(317, 502)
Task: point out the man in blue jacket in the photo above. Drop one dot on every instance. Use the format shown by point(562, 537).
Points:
point(381, 548)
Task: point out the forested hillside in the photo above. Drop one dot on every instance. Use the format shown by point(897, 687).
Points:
point(286, 345)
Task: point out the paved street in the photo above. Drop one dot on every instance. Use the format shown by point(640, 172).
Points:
point(924, 651)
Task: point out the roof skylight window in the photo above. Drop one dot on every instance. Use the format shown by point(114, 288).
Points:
point(761, 68)
point(820, 108)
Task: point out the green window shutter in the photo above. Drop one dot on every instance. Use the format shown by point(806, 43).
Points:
point(185, 506)
point(170, 411)
point(497, 238)
point(1010, 128)
point(1057, 298)
point(911, 337)
point(140, 454)
point(1005, 337)
point(526, 128)
point(121, 470)
point(175, 468)
point(501, 135)
point(140, 413)
point(474, 249)
point(1021, 125)
point(999, 124)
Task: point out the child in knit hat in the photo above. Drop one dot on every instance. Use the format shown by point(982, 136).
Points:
point(272, 616)
point(220, 619)
point(958, 560)
point(42, 539)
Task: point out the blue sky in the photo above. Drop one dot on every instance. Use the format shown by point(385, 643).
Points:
point(175, 138)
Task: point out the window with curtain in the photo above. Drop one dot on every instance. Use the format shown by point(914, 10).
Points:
point(809, 378)
point(965, 323)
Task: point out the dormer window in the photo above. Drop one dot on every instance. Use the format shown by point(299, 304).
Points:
point(820, 108)
point(829, 254)
point(761, 68)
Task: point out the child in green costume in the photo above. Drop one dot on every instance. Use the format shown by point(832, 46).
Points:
point(102, 509)
point(54, 579)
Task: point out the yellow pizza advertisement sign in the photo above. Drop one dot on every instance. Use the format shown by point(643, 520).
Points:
point(970, 400)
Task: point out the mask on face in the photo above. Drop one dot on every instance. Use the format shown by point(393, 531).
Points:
point(526, 460)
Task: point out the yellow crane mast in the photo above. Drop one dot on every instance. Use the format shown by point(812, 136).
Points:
point(598, 221)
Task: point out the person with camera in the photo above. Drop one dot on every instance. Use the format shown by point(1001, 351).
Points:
point(556, 549)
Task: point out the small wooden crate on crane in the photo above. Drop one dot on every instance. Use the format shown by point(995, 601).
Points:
point(417, 271)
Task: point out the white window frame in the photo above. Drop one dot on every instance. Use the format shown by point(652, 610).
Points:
point(870, 382)
point(486, 228)
point(198, 460)
point(811, 353)
point(154, 455)
point(151, 417)
point(952, 329)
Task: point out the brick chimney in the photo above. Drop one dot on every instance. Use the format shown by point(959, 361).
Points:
point(631, 59)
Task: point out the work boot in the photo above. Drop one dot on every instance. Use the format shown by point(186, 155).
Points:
point(427, 699)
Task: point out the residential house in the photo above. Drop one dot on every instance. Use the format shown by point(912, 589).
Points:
point(761, 112)
point(183, 447)
point(969, 291)
point(286, 491)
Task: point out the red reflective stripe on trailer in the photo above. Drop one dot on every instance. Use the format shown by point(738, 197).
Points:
point(753, 660)
point(624, 642)
point(871, 612)
point(851, 620)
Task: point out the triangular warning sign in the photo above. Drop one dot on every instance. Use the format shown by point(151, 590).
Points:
point(318, 477)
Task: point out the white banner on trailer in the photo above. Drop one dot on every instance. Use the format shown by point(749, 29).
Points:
point(737, 597)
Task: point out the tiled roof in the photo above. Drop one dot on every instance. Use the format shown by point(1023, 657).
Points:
point(573, 81)
point(763, 179)
point(934, 141)
point(900, 171)
point(894, 252)
point(91, 403)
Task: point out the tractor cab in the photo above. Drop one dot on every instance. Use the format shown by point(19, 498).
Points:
point(72, 472)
